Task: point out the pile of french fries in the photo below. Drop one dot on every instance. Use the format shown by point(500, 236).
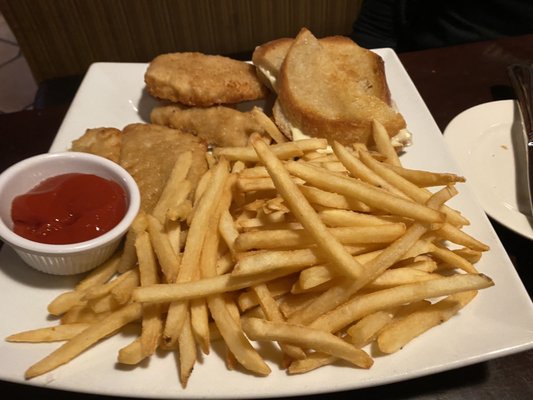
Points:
point(321, 250)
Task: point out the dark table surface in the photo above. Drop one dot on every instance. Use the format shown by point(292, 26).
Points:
point(450, 80)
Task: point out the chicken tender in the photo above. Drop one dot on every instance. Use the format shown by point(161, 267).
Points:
point(218, 125)
point(197, 79)
point(104, 142)
point(149, 152)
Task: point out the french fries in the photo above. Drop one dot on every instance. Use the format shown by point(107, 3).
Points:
point(392, 338)
point(86, 339)
point(193, 248)
point(260, 329)
point(321, 253)
point(50, 334)
point(305, 214)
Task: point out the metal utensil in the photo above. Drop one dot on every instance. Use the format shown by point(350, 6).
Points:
point(521, 76)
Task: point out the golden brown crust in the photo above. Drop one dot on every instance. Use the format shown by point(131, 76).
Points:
point(366, 68)
point(217, 125)
point(104, 142)
point(149, 152)
point(197, 79)
point(313, 96)
point(281, 120)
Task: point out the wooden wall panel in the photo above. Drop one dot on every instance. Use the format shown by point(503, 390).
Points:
point(63, 37)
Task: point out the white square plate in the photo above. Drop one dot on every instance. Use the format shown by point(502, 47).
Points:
point(498, 322)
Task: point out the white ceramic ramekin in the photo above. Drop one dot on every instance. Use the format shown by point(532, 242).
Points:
point(67, 259)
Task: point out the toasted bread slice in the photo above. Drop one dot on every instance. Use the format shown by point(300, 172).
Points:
point(268, 58)
point(323, 101)
point(365, 68)
point(281, 121)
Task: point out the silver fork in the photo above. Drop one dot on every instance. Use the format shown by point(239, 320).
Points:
point(521, 77)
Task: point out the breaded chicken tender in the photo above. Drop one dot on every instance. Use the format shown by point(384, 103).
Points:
point(149, 152)
point(104, 142)
point(218, 125)
point(197, 79)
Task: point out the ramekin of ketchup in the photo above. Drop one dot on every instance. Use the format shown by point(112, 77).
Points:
point(69, 208)
point(65, 213)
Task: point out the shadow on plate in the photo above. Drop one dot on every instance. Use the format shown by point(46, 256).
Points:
point(18, 271)
point(146, 103)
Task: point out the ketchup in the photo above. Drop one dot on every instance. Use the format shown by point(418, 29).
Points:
point(68, 208)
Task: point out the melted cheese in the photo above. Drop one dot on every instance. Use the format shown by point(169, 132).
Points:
point(403, 138)
point(267, 74)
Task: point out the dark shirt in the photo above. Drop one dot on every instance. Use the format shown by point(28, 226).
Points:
point(406, 25)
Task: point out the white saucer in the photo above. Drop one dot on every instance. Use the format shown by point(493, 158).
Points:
point(488, 143)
